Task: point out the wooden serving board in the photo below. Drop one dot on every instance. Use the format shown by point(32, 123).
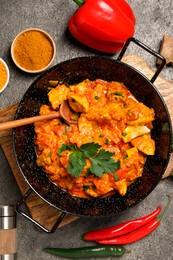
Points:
point(38, 209)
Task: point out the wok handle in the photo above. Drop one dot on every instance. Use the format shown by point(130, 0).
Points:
point(143, 46)
point(17, 209)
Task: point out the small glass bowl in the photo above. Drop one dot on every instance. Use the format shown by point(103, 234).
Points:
point(8, 74)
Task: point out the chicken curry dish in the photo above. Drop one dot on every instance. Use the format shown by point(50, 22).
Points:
point(105, 150)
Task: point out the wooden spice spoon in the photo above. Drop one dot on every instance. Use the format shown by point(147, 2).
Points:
point(64, 112)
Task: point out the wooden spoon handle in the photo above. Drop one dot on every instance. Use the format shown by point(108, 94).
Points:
point(27, 121)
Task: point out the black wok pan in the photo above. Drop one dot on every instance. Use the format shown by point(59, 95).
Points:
point(74, 71)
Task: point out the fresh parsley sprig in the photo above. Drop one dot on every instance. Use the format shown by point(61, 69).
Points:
point(101, 160)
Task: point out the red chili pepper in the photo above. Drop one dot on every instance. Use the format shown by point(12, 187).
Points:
point(104, 25)
point(136, 234)
point(122, 228)
point(133, 236)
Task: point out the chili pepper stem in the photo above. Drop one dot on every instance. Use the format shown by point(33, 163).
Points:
point(79, 2)
point(171, 175)
point(127, 251)
point(159, 217)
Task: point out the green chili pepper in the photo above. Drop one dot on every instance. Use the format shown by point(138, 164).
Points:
point(86, 252)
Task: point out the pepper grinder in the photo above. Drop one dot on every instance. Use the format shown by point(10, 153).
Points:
point(8, 233)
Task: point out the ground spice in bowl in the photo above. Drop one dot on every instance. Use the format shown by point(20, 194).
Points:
point(4, 75)
point(33, 50)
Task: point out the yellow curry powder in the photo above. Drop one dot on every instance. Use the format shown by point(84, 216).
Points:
point(33, 50)
point(3, 75)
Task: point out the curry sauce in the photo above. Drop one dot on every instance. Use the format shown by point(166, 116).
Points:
point(108, 115)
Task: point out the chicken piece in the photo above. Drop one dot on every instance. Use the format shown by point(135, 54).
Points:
point(80, 88)
point(143, 120)
point(91, 192)
point(133, 173)
point(117, 91)
point(133, 155)
point(78, 102)
point(138, 113)
point(58, 95)
point(103, 184)
point(132, 132)
point(166, 50)
point(113, 111)
point(86, 126)
point(45, 109)
point(144, 144)
point(120, 186)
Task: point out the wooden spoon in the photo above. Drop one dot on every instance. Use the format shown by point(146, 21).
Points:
point(64, 112)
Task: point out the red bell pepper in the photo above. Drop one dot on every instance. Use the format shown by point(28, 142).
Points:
point(104, 25)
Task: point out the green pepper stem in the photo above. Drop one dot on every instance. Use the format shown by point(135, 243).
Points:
point(127, 251)
point(159, 217)
point(79, 2)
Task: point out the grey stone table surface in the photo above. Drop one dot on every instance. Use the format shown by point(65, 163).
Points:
point(154, 19)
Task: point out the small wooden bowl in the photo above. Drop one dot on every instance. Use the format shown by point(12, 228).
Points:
point(7, 76)
point(24, 58)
